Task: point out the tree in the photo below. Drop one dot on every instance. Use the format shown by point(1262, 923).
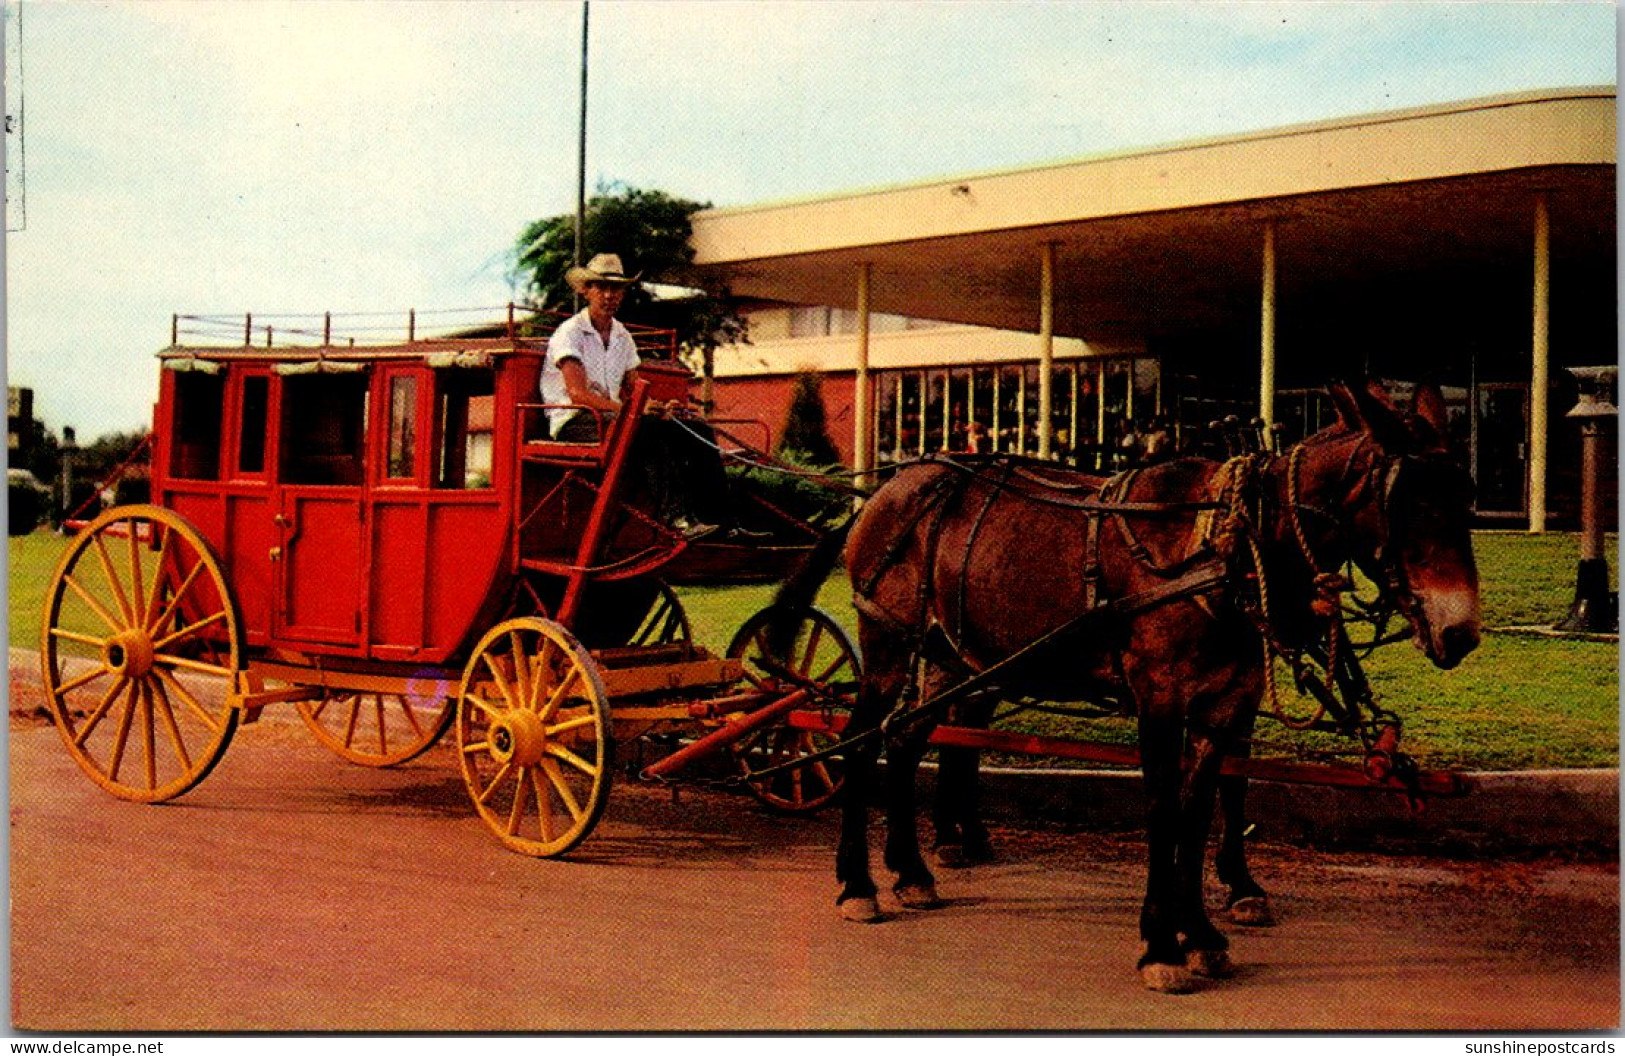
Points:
point(649, 231)
point(805, 437)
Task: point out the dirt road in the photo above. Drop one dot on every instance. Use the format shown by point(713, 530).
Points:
point(291, 891)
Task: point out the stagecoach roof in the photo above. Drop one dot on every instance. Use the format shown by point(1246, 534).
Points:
point(1169, 238)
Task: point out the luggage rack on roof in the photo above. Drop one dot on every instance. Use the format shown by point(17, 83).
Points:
point(511, 324)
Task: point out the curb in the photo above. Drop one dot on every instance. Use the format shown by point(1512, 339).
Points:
point(1503, 811)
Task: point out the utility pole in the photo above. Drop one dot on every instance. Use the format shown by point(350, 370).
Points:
point(581, 144)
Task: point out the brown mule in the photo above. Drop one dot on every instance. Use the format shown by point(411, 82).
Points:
point(958, 566)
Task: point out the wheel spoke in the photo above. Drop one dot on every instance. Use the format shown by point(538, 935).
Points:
point(174, 602)
point(349, 724)
point(149, 730)
point(476, 747)
point(123, 733)
point(544, 806)
point(484, 705)
point(172, 727)
point(189, 700)
point(96, 606)
point(75, 636)
point(521, 670)
point(811, 653)
point(137, 590)
point(556, 776)
point(559, 751)
point(502, 772)
point(80, 680)
point(571, 724)
point(378, 710)
point(516, 813)
point(188, 630)
point(553, 702)
point(825, 675)
point(158, 574)
point(501, 680)
point(112, 579)
point(94, 719)
point(411, 716)
point(192, 665)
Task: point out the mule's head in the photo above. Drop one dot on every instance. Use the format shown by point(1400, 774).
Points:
point(1406, 515)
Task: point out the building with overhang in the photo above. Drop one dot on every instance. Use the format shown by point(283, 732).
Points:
point(1063, 310)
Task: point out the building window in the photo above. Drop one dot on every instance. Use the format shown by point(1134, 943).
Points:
point(995, 409)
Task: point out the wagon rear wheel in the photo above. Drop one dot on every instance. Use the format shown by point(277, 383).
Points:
point(373, 728)
point(533, 736)
point(141, 650)
point(824, 655)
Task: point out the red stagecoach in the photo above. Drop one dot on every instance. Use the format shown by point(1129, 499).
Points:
point(380, 532)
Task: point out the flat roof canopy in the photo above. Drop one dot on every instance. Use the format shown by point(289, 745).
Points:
point(1169, 240)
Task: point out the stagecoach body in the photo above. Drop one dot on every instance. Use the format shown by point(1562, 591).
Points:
point(384, 534)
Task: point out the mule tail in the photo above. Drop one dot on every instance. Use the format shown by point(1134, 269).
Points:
point(800, 589)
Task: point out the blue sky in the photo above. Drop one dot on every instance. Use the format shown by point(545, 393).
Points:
point(272, 157)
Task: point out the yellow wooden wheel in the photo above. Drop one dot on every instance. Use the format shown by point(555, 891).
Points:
point(533, 735)
point(141, 650)
point(824, 655)
point(374, 728)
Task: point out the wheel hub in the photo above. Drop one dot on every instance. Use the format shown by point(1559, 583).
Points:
point(129, 653)
point(518, 737)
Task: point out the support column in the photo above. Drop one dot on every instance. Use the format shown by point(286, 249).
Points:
point(1540, 352)
point(1266, 336)
point(863, 429)
point(1046, 349)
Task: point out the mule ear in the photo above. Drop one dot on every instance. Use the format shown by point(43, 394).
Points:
point(1382, 419)
point(1428, 406)
point(1348, 411)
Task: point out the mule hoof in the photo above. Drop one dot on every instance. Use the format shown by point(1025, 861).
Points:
point(1253, 912)
point(918, 896)
point(1168, 978)
point(1212, 964)
point(861, 911)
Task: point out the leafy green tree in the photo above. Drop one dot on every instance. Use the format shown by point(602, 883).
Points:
point(805, 436)
point(649, 231)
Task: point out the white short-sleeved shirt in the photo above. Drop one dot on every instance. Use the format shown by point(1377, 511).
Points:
point(606, 367)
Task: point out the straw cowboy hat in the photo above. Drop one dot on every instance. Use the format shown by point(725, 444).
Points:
point(605, 267)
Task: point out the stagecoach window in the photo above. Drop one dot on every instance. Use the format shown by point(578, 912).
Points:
point(464, 418)
point(199, 406)
point(251, 424)
point(403, 427)
point(324, 426)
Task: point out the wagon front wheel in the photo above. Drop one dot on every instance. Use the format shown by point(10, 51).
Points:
point(141, 651)
point(533, 736)
point(373, 728)
point(823, 656)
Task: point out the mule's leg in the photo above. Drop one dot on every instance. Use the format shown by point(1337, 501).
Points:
point(961, 837)
point(1247, 902)
point(1162, 966)
point(916, 888)
point(1206, 949)
point(883, 679)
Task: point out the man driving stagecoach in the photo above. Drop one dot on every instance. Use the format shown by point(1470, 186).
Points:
point(591, 363)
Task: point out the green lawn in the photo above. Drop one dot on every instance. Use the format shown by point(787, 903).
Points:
point(1520, 702)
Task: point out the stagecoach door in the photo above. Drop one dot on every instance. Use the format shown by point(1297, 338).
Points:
point(318, 573)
